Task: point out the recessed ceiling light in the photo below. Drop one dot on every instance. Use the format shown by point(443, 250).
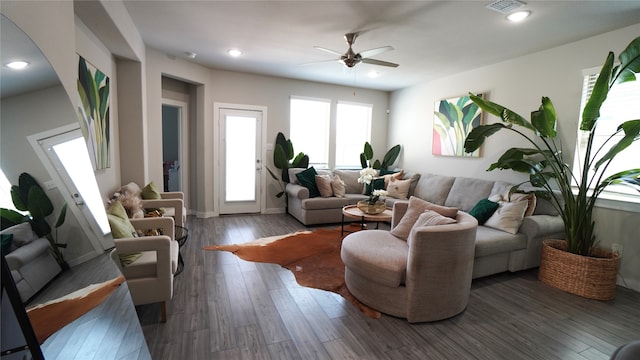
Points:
point(190, 55)
point(373, 74)
point(235, 52)
point(518, 16)
point(17, 65)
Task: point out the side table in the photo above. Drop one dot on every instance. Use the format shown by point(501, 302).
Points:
point(352, 211)
point(181, 235)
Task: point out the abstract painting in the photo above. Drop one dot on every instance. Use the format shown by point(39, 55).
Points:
point(93, 109)
point(453, 121)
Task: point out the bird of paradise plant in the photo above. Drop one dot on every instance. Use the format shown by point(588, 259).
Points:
point(93, 90)
point(544, 161)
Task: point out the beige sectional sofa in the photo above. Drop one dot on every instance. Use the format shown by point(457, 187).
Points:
point(495, 250)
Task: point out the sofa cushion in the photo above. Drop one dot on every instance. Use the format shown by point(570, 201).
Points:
point(432, 218)
point(466, 192)
point(416, 207)
point(376, 255)
point(483, 210)
point(350, 178)
point(337, 186)
point(319, 203)
point(323, 182)
point(307, 178)
point(491, 241)
point(434, 188)
point(508, 217)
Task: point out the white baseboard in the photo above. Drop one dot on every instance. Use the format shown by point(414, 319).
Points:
point(270, 211)
point(84, 258)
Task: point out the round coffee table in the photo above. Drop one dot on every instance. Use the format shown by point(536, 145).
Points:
point(352, 211)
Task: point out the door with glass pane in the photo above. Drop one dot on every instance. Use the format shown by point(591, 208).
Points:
point(68, 154)
point(240, 143)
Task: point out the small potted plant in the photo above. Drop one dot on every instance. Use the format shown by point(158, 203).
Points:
point(575, 265)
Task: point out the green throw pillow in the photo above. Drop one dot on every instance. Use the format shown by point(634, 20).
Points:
point(150, 192)
point(483, 210)
point(119, 222)
point(5, 241)
point(307, 178)
point(376, 184)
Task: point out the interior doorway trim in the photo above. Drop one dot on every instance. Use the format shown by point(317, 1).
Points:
point(183, 156)
point(217, 180)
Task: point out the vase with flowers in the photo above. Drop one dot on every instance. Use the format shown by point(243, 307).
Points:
point(373, 205)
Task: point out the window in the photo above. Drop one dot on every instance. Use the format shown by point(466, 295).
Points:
point(622, 104)
point(5, 194)
point(353, 129)
point(309, 128)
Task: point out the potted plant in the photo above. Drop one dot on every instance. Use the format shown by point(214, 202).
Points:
point(29, 196)
point(389, 158)
point(574, 195)
point(283, 159)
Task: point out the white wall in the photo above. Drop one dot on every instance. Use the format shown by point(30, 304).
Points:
point(518, 84)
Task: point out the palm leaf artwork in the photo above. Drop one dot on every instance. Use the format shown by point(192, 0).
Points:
point(454, 120)
point(93, 108)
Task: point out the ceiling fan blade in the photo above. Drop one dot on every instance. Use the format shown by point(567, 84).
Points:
point(373, 52)
point(379, 62)
point(328, 50)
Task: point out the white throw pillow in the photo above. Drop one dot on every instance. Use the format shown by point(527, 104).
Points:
point(432, 218)
point(399, 189)
point(338, 187)
point(508, 217)
point(323, 182)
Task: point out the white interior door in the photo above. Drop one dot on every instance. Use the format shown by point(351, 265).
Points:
point(66, 152)
point(241, 163)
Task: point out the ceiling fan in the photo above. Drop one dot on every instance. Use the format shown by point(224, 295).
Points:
point(351, 58)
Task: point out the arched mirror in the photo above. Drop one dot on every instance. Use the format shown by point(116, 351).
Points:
point(40, 136)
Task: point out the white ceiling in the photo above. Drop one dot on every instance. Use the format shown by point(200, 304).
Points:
point(432, 39)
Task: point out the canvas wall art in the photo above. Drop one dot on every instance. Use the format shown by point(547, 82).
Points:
point(453, 121)
point(93, 108)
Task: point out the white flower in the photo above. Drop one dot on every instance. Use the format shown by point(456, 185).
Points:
point(379, 192)
point(367, 175)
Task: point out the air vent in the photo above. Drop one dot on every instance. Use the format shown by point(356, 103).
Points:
point(505, 6)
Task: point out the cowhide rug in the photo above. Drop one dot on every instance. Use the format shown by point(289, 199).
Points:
point(312, 256)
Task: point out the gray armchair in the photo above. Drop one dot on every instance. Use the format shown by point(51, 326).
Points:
point(31, 262)
point(426, 278)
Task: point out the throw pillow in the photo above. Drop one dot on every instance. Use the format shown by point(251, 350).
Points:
point(119, 222)
point(508, 217)
point(416, 207)
point(307, 178)
point(324, 185)
point(389, 175)
point(292, 174)
point(126, 259)
point(529, 198)
point(376, 184)
point(399, 189)
point(483, 210)
point(338, 187)
point(5, 241)
point(150, 191)
point(432, 218)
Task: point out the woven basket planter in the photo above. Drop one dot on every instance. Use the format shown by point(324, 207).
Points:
point(592, 277)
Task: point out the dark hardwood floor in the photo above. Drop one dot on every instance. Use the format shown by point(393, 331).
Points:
point(227, 308)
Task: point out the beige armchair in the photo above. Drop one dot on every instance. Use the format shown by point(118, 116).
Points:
point(150, 275)
point(172, 202)
point(426, 278)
